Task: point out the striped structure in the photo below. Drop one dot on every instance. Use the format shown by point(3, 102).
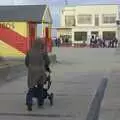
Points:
point(18, 27)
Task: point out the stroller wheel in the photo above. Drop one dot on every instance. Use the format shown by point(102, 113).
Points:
point(51, 98)
point(29, 107)
point(40, 103)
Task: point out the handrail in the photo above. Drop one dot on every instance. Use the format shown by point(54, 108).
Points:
point(93, 113)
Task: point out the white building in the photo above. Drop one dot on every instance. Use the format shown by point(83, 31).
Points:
point(80, 22)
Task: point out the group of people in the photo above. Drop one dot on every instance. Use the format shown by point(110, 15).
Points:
point(37, 62)
point(113, 43)
point(58, 42)
point(96, 42)
point(61, 41)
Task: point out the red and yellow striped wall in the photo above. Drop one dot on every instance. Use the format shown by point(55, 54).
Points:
point(14, 38)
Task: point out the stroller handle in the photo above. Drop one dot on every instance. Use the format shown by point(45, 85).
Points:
point(48, 81)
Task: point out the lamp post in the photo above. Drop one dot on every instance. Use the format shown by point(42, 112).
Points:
point(118, 31)
point(118, 28)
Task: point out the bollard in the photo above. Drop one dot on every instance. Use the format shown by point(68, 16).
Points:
point(93, 113)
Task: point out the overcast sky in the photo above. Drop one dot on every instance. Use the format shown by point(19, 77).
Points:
point(55, 2)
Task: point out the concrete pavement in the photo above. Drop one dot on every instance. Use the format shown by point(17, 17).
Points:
point(110, 107)
point(76, 77)
point(72, 96)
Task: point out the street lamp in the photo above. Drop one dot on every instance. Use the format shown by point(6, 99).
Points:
point(118, 27)
point(118, 31)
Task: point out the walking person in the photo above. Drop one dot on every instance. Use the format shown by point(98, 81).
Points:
point(61, 41)
point(56, 42)
point(110, 44)
point(95, 42)
point(92, 41)
point(35, 63)
point(100, 42)
point(116, 42)
point(113, 43)
point(103, 43)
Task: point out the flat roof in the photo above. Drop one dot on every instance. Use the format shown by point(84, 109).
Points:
point(62, 28)
point(32, 13)
point(89, 5)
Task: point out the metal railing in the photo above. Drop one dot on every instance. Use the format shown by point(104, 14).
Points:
point(93, 113)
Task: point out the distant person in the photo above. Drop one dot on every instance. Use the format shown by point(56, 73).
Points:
point(99, 42)
point(110, 44)
point(92, 41)
point(61, 41)
point(56, 42)
point(116, 42)
point(113, 43)
point(95, 42)
point(103, 42)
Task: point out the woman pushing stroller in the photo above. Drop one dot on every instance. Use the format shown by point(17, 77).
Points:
point(37, 62)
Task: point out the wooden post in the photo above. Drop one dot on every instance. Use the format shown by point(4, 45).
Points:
point(46, 38)
point(50, 39)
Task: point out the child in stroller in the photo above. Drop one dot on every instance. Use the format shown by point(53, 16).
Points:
point(42, 91)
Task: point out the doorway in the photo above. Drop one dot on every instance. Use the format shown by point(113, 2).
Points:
point(94, 33)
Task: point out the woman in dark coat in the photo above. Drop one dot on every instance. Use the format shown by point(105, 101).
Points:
point(36, 60)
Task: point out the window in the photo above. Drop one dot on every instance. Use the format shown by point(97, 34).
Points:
point(109, 35)
point(80, 36)
point(84, 19)
point(109, 18)
point(96, 20)
point(69, 21)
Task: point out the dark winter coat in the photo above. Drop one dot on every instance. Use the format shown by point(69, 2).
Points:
point(35, 61)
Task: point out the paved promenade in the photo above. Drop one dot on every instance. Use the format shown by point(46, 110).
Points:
point(75, 80)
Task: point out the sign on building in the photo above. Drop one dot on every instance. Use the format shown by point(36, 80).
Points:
point(9, 25)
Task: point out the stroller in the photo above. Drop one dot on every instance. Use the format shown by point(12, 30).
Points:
point(41, 93)
point(44, 91)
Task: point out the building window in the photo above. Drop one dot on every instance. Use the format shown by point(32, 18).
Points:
point(84, 19)
point(109, 35)
point(69, 21)
point(80, 36)
point(109, 18)
point(96, 20)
